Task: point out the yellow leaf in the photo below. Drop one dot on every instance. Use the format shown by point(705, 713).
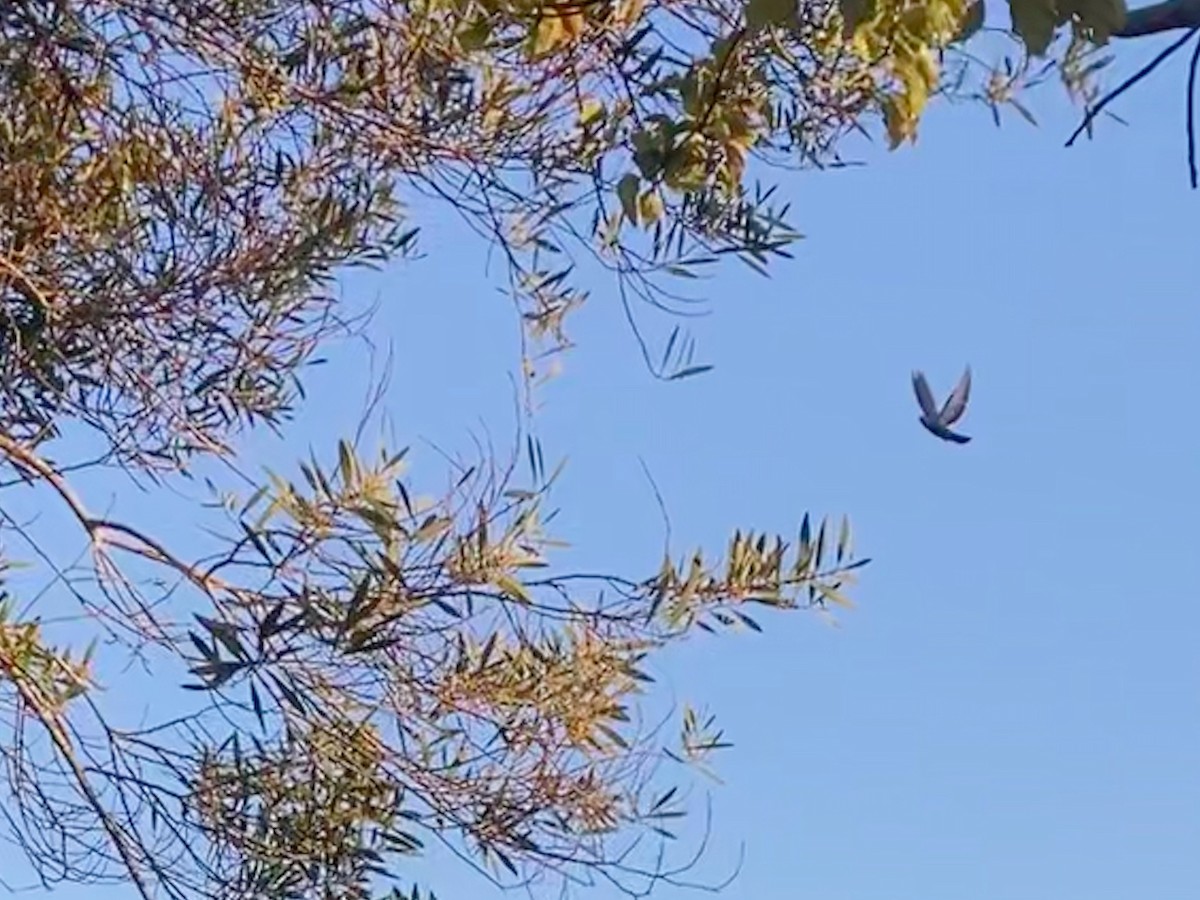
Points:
point(512, 587)
point(650, 207)
point(573, 25)
point(898, 123)
point(926, 70)
point(628, 12)
point(590, 110)
point(548, 34)
point(735, 161)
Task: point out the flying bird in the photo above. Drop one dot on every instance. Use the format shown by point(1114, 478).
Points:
point(956, 404)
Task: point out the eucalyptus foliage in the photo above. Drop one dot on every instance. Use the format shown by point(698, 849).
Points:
point(376, 666)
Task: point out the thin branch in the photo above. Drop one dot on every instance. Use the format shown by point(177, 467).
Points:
point(1168, 16)
point(1129, 83)
point(1191, 113)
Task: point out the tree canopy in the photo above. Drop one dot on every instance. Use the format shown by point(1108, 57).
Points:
point(182, 182)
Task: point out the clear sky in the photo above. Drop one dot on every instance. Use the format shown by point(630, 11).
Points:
point(1013, 710)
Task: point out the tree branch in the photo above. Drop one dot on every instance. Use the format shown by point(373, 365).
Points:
point(1166, 16)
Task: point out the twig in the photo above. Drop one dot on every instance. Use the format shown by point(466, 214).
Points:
point(1191, 113)
point(62, 743)
point(1128, 83)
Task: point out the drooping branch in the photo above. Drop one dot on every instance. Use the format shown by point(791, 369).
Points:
point(1167, 16)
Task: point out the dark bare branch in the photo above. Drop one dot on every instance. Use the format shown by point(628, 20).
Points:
point(1168, 16)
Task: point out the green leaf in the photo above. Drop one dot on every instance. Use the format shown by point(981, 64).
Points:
point(663, 800)
point(689, 372)
point(476, 35)
point(209, 653)
point(224, 632)
point(843, 542)
point(254, 539)
point(346, 464)
point(269, 626)
point(627, 193)
point(290, 695)
point(513, 588)
point(748, 622)
point(403, 842)
point(854, 13)
point(613, 735)
point(505, 861)
point(355, 610)
point(256, 701)
point(1025, 113)
point(362, 643)
point(761, 13)
point(1034, 21)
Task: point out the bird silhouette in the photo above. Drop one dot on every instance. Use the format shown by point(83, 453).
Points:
point(939, 423)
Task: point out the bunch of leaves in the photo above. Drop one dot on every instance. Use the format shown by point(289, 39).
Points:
point(181, 183)
point(43, 678)
point(378, 669)
point(161, 268)
point(315, 811)
point(907, 36)
point(909, 43)
point(1037, 22)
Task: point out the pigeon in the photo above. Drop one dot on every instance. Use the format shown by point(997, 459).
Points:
point(956, 404)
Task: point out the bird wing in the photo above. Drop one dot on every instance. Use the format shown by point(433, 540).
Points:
point(956, 403)
point(924, 395)
point(956, 437)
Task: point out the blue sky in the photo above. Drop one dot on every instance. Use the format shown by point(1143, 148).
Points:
point(1013, 710)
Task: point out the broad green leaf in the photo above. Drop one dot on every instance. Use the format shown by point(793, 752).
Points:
point(761, 13)
point(1034, 21)
point(855, 12)
point(476, 35)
